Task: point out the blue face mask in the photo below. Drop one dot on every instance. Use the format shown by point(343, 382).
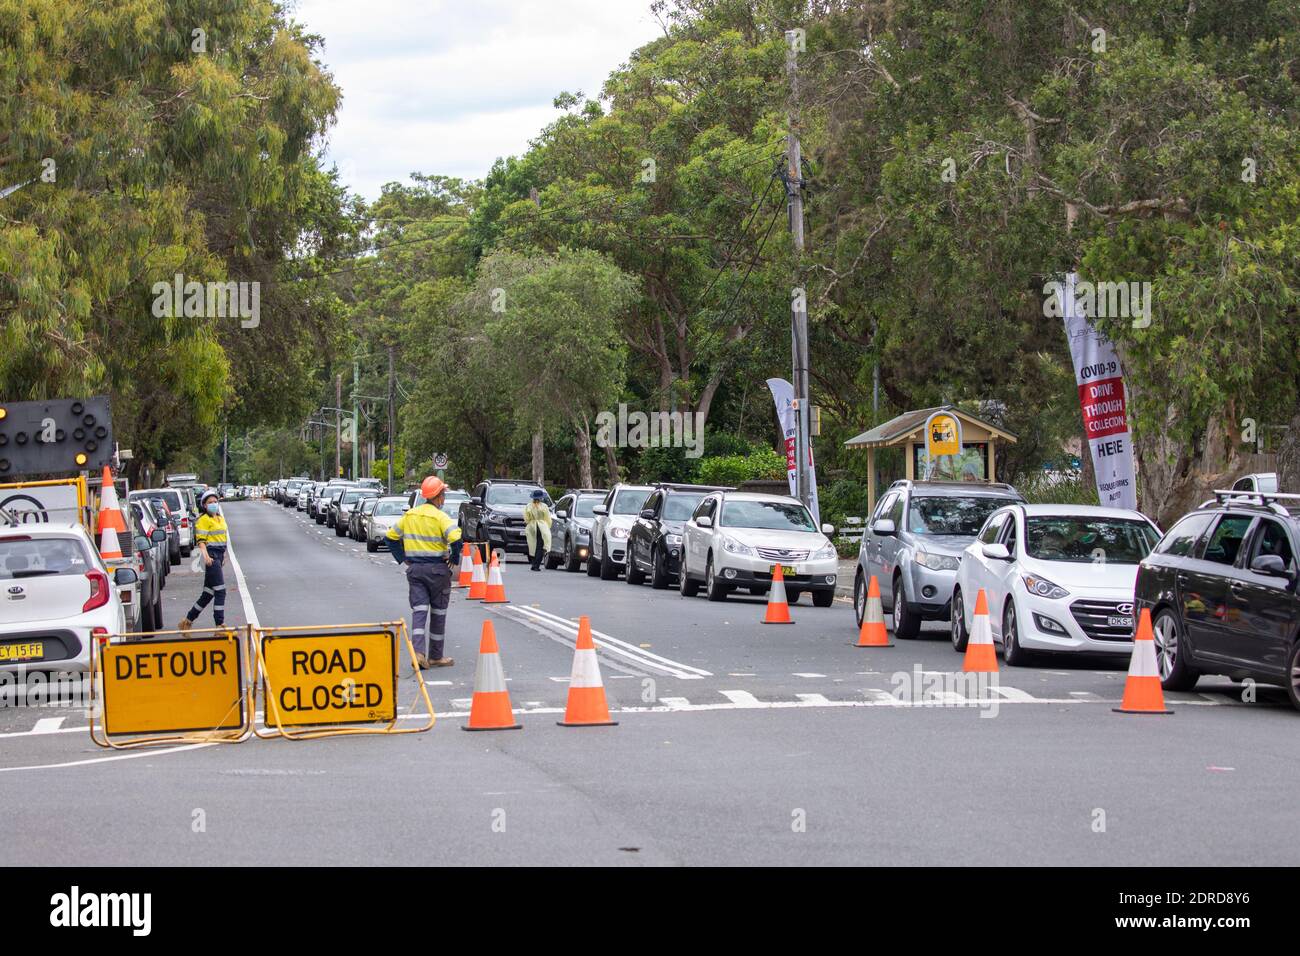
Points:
point(212, 508)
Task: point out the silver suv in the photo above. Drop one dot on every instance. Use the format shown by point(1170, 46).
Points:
point(914, 542)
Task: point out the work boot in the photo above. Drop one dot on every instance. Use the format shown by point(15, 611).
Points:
point(442, 662)
point(185, 625)
point(422, 662)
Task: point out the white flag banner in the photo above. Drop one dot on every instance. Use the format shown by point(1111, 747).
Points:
point(783, 395)
point(1102, 399)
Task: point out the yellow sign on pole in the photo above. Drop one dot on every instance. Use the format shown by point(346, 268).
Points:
point(178, 686)
point(942, 435)
point(322, 679)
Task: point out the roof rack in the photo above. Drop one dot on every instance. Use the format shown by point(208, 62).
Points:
point(1265, 499)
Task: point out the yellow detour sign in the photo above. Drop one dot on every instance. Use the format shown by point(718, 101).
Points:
point(191, 684)
point(942, 435)
point(317, 679)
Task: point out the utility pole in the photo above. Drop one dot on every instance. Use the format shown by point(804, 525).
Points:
point(356, 421)
point(793, 178)
point(390, 420)
point(338, 424)
point(225, 452)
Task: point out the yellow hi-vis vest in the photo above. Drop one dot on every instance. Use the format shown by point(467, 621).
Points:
point(426, 533)
point(211, 530)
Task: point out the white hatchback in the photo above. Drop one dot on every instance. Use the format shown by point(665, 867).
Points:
point(56, 596)
point(1055, 577)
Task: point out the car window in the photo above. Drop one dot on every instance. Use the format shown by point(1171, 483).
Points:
point(1182, 536)
point(23, 557)
point(993, 527)
point(1225, 541)
point(1271, 538)
point(678, 507)
point(882, 508)
point(368, 505)
point(511, 495)
point(1009, 533)
point(584, 506)
point(705, 510)
point(770, 515)
point(653, 502)
point(1084, 540)
point(896, 511)
point(950, 514)
point(629, 501)
point(387, 508)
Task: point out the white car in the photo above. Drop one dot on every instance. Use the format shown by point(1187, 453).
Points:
point(56, 596)
point(735, 539)
point(386, 513)
point(1055, 578)
point(614, 518)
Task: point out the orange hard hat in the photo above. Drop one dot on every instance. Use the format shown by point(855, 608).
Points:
point(432, 487)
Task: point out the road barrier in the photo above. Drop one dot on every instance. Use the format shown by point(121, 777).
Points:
point(170, 687)
point(327, 681)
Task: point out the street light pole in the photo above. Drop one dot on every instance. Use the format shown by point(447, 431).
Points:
point(798, 298)
point(356, 422)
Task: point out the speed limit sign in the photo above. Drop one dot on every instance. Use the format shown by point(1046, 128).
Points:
point(440, 460)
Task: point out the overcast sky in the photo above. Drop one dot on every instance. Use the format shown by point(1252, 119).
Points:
point(444, 87)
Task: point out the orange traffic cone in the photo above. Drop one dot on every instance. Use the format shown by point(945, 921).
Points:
point(466, 566)
point(981, 655)
point(1142, 691)
point(110, 517)
point(490, 708)
point(586, 706)
point(109, 549)
point(496, 588)
point(477, 580)
point(873, 632)
point(778, 609)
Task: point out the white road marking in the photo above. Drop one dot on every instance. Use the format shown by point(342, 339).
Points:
point(245, 598)
point(130, 756)
point(48, 725)
point(741, 698)
point(801, 674)
point(614, 646)
point(1012, 693)
point(812, 698)
point(1084, 695)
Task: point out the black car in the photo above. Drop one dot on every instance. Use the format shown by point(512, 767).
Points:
point(571, 528)
point(654, 542)
point(495, 513)
point(1221, 589)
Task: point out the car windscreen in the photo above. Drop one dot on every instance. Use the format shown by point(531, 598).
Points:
point(28, 558)
point(351, 497)
point(583, 507)
point(389, 508)
point(680, 507)
point(1082, 540)
point(511, 495)
point(771, 515)
point(629, 502)
point(943, 514)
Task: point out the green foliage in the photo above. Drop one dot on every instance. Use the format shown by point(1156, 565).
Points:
point(733, 469)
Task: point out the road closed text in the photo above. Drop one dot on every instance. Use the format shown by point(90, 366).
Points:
point(329, 679)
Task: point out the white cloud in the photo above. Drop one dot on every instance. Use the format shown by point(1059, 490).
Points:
point(448, 87)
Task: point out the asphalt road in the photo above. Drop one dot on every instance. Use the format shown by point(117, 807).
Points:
point(737, 743)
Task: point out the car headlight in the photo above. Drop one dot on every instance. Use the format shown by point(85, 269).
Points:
point(935, 562)
point(618, 532)
point(736, 547)
point(493, 518)
point(1041, 587)
point(825, 553)
point(673, 538)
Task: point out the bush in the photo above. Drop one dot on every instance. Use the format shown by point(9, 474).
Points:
point(1038, 489)
point(842, 499)
point(666, 464)
point(733, 469)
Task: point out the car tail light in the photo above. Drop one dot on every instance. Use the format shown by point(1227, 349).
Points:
point(185, 522)
point(98, 590)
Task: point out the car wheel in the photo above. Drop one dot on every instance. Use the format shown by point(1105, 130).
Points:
point(714, 589)
point(339, 530)
point(185, 552)
point(146, 622)
point(792, 595)
point(1012, 653)
point(906, 623)
point(685, 586)
point(860, 596)
point(634, 574)
point(552, 561)
point(960, 636)
point(823, 598)
point(372, 545)
point(593, 564)
point(1293, 675)
point(1171, 653)
point(571, 562)
point(658, 570)
point(608, 569)
point(175, 559)
point(757, 590)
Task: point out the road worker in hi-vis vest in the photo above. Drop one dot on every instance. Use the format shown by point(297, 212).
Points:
point(211, 536)
point(427, 541)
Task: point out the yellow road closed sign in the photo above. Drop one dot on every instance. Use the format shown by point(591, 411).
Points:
point(176, 686)
point(319, 679)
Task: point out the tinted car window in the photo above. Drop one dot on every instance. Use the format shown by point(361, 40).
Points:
point(1225, 542)
point(1178, 542)
point(1272, 539)
point(511, 495)
point(44, 556)
point(772, 515)
point(882, 509)
point(1079, 540)
point(679, 507)
point(991, 530)
point(629, 502)
point(936, 514)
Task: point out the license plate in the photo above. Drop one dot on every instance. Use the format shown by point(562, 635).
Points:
point(21, 652)
point(786, 570)
point(1119, 622)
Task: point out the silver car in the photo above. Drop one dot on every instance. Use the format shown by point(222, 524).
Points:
point(571, 528)
point(914, 542)
point(383, 516)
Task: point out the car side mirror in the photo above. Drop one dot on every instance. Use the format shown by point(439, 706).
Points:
point(562, 513)
point(1269, 564)
point(828, 529)
point(600, 510)
point(125, 576)
point(477, 499)
point(648, 513)
point(885, 526)
point(158, 536)
point(704, 521)
point(998, 552)
point(141, 543)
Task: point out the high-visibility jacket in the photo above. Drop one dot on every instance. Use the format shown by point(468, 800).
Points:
point(211, 530)
point(423, 534)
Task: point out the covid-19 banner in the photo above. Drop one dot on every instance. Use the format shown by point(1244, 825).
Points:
point(783, 395)
point(1102, 399)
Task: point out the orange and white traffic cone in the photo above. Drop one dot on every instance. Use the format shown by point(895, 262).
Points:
point(1142, 691)
point(586, 706)
point(778, 608)
point(981, 655)
point(109, 549)
point(873, 633)
point(110, 515)
point(490, 707)
point(496, 588)
point(477, 580)
point(466, 566)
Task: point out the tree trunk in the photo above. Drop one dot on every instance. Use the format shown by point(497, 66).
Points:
point(611, 463)
point(539, 456)
point(582, 442)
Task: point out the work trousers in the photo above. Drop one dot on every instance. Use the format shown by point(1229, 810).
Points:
point(430, 590)
point(214, 589)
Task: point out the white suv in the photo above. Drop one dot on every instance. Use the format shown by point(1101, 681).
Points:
point(735, 539)
point(56, 596)
point(614, 519)
point(1055, 577)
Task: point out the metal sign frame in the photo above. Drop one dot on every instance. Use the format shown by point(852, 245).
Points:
point(213, 736)
point(257, 636)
